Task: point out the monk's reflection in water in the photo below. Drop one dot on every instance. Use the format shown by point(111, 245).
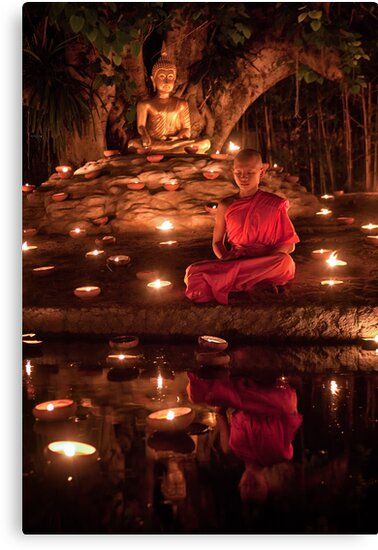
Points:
point(257, 424)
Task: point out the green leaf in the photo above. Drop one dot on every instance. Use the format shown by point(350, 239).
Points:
point(92, 35)
point(117, 60)
point(76, 23)
point(355, 89)
point(104, 29)
point(315, 14)
point(57, 8)
point(122, 37)
point(315, 25)
point(302, 17)
point(91, 16)
point(134, 33)
point(310, 77)
point(134, 48)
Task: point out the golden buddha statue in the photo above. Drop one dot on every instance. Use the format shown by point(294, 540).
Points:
point(163, 121)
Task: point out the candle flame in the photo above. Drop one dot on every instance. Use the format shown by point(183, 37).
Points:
point(165, 225)
point(69, 449)
point(332, 260)
point(65, 169)
point(326, 197)
point(168, 242)
point(170, 415)
point(25, 246)
point(275, 165)
point(324, 212)
point(331, 282)
point(77, 230)
point(50, 407)
point(233, 147)
point(217, 152)
point(370, 226)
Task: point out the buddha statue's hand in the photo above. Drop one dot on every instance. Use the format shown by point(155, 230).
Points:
point(146, 139)
point(183, 134)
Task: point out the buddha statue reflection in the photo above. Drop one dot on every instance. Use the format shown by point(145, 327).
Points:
point(163, 121)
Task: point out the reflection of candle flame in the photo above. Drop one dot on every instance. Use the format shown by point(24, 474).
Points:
point(326, 196)
point(324, 212)
point(332, 260)
point(28, 367)
point(334, 387)
point(50, 407)
point(275, 165)
point(331, 282)
point(165, 225)
point(159, 382)
point(168, 242)
point(170, 415)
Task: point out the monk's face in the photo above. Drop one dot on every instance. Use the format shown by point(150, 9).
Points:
point(247, 174)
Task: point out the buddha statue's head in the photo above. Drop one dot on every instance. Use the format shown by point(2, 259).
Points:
point(164, 74)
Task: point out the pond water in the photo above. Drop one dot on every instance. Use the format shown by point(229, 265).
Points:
point(204, 479)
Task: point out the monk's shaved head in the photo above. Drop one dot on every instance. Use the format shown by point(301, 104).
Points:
point(247, 155)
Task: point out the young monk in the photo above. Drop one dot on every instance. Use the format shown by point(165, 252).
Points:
point(261, 235)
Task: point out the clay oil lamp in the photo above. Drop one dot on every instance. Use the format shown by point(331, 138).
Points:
point(210, 174)
point(219, 156)
point(29, 232)
point(126, 360)
point(171, 185)
point(169, 420)
point(87, 292)
point(43, 271)
point(233, 148)
point(26, 247)
point(136, 185)
point(168, 244)
point(159, 286)
point(121, 260)
point(30, 342)
point(212, 343)
point(59, 197)
point(64, 172)
point(211, 207)
point(370, 343)
point(369, 229)
point(71, 450)
point(324, 212)
point(344, 220)
point(319, 254)
point(166, 225)
point(107, 240)
point(103, 220)
point(123, 342)
point(94, 254)
point(327, 197)
point(191, 149)
point(28, 188)
point(331, 282)
point(372, 239)
point(53, 411)
point(155, 158)
point(338, 193)
point(111, 153)
point(77, 233)
point(332, 260)
point(147, 276)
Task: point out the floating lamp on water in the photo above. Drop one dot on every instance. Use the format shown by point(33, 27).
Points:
point(319, 254)
point(344, 220)
point(171, 185)
point(332, 260)
point(219, 156)
point(119, 261)
point(43, 271)
point(168, 244)
point(370, 343)
point(159, 285)
point(123, 342)
point(372, 239)
point(175, 419)
point(26, 247)
point(210, 174)
point(77, 233)
point(87, 292)
point(324, 212)
point(94, 254)
point(213, 343)
point(370, 228)
point(327, 197)
point(166, 225)
point(331, 282)
point(64, 172)
point(52, 411)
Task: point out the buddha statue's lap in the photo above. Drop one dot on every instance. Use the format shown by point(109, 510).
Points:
point(163, 121)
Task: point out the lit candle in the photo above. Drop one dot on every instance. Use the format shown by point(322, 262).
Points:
point(52, 411)
point(324, 212)
point(123, 342)
point(93, 254)
point(369, 228)
point(122, 359)
point(77, 233)
point(319, 254)
point(210, 174)
point(218, 155)
point(332, 260)
point(87, 292)
point(165, 226)
point(118, 261)
point(43, 271)
point(64, 171)
point(372, 239)
point(159, 285)
point(26, 247)
point(71, 449)
point(213, 343)
point(168, 244)
point(370, 343)
point(327, 197)
point(28, 188)
point(331, 282)
point(59, 197)
point(275, 165)
point(171, 185)
point(174, 419)
point(233, 148)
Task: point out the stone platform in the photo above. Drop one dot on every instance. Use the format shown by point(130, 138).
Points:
point(107, 195)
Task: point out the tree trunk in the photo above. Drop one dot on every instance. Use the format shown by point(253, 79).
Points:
point(327, 146)
point(268, 134)
point(348, 138)
point(310, 153)
point(366, 117)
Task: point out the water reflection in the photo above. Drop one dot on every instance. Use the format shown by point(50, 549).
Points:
point(249, 462)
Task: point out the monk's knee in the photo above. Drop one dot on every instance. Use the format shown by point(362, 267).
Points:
point(286, 262)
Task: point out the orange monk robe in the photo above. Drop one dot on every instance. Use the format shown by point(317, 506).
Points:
point(254, 225)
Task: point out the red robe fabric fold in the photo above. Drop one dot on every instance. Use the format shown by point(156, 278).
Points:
point(255, 225)
point(264, 423)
